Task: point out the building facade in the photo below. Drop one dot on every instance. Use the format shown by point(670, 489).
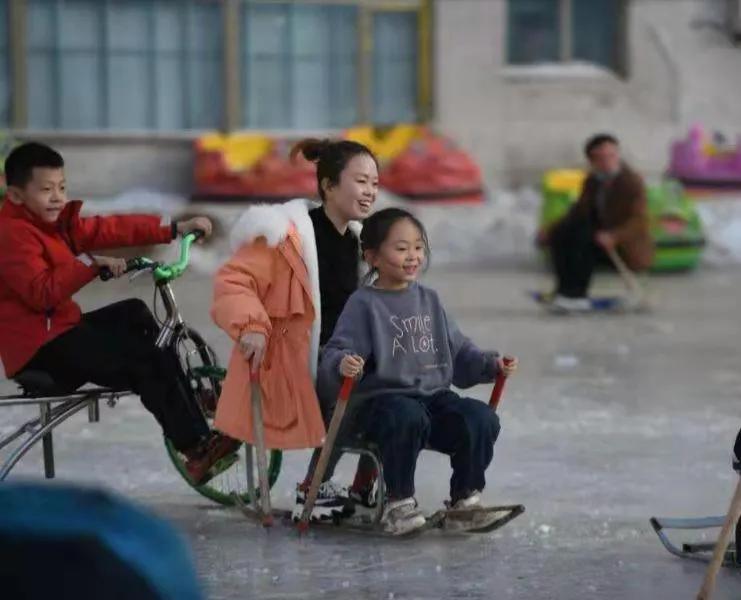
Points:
point(124, 86)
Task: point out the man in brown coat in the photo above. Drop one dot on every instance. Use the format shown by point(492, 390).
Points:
point(611, 213)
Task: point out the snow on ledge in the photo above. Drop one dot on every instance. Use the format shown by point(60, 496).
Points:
point(559, 71)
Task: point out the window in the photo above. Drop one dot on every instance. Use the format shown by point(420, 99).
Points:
point(124, 65)
point(395, 67)
point(300, 65)
point(4, 68)
point(159, 65)
point(566, 30)
point(533, 31)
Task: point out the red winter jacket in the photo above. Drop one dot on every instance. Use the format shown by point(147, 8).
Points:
point(42, 265)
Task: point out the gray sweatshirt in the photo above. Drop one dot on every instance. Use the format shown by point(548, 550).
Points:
point(408, 342)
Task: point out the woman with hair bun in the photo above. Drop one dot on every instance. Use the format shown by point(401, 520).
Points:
point(279, 297)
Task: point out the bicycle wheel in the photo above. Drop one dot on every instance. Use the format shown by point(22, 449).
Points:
point(204, 374)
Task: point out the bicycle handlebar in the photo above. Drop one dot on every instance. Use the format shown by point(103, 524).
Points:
point(162, 272)
point(132, 264)
point(176, 269)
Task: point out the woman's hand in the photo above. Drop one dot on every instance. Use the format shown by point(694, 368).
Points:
point(252, 346)
point(510, 367)
point(351, 366)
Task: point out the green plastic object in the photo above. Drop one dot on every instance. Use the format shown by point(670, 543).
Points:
point(173, 271)
point(675, 223)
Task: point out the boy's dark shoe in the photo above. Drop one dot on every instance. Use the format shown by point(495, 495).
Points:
point(200, 463)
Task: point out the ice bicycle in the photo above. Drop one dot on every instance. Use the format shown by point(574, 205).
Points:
point(234, 480)
point(199, 362)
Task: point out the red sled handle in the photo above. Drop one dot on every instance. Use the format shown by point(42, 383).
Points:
point(346, 389)
point(496, 393)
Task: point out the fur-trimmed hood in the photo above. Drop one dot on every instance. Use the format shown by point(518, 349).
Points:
point(273, 222)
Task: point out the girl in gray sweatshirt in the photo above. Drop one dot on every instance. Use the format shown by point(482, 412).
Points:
point(396, 338)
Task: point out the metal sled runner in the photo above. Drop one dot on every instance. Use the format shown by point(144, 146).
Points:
point(701, 551)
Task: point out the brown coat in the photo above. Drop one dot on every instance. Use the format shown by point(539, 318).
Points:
point(625, 215)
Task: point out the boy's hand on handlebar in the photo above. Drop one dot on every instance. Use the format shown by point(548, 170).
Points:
point(509, 368)
point(202, 223)
point(117, 266)
point(252, 345)
point(351, 366)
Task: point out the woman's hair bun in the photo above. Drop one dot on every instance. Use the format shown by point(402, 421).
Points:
point(310, 148)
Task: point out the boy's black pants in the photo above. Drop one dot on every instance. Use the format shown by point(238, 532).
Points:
point(115, 347)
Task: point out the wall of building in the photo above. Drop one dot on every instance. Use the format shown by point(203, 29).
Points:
point(516, 121)
point(519, 121)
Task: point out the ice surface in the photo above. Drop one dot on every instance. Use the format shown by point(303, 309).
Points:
point(641, 425)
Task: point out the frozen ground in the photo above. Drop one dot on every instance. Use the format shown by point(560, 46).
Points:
point(612, 419)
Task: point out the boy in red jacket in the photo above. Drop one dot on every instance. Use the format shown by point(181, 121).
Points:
point(45, 258)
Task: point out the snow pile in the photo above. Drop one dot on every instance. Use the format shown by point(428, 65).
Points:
point(721, 220)
point(139, 201)
point(499, 231)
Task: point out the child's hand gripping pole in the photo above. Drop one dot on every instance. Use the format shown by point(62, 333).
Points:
point(496, 393)
point(327, 448)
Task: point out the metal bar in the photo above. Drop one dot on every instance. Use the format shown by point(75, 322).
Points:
point(424, 61)
point(47, 442)
point(566, 49)
point(93, 410)
point(622, 56)
point(56, 52)
point(289, 65)
point(28, 444)
point(699, 523)
point(365, 70)
point(232, 74)
point(17, 38)
point(104, 65)
point(186, 19)
point(173, 321)
point(262, 467)
point(379, 4)
point(250, 468)
point(700, 547)
point(25, 428)
point(100, 392)
point(152, 63)
point(333, 90)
